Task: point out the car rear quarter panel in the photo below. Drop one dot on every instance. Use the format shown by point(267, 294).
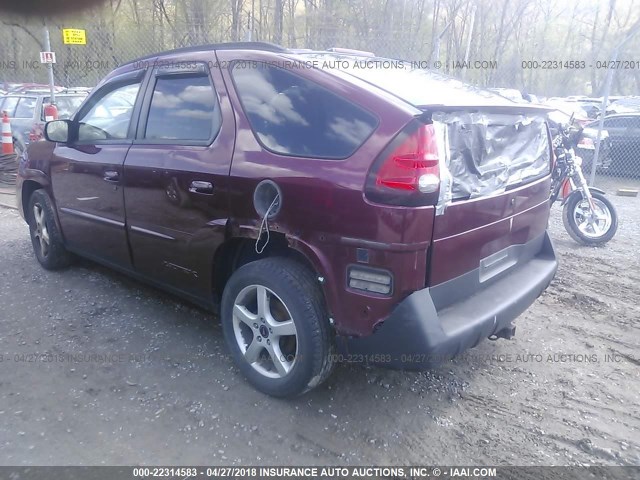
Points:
point(324, 213)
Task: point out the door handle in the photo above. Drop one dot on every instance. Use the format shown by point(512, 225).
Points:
point(198, 186)
point(111, 176)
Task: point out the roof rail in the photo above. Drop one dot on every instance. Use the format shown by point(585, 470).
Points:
point(33, 91)
point(76, 90)
point(264, 46)
point(351, 51)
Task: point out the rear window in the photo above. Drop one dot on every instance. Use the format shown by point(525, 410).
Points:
point(489, 153)
point(291, 115)
point(402, 79)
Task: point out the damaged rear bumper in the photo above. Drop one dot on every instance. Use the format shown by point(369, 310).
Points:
point(416, 336)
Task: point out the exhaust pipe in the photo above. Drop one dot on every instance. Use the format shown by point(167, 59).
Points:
point(507, 333)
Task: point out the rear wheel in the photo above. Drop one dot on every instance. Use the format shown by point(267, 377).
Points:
point(45, 236)
point(276, 326)
point(587, 227)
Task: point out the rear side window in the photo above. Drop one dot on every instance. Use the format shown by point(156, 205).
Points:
point(183, 108)
point(26, 107)
point(294, 116)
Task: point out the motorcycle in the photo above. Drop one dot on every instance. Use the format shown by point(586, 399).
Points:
point(588, 216)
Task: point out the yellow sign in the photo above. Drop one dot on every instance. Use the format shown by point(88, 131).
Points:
point(74, 36)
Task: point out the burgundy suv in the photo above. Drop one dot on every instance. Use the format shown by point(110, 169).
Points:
point(331, 205)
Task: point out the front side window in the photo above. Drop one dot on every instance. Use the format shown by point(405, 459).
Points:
point(109, 117)
point(294, 116)
point(26, 107)
point(183, 107)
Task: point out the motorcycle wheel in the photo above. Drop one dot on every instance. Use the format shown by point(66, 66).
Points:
point(588, 229)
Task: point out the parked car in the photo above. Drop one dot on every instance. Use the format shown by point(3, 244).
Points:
point(570, 108)
point(624, 105)
point(390, 216)
point(33, 88)
point(511, 93)
point(624, 135)
point(26, 111)
point(592, 107)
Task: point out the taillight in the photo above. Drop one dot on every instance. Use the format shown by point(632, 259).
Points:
point(407, 171)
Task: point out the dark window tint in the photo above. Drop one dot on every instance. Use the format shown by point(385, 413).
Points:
point(293, 116)
point(183, 108)
point(67, 106)
point(9, 105)
point(26, 107)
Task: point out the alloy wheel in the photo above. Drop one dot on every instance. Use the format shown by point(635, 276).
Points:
point(41, 232)
point(265, 331)
point(592, 224)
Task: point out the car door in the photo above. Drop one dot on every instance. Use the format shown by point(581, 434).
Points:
point(633, 134)
point(86, 173)
point(616, 127)
point(176, 175)
point(619, 131)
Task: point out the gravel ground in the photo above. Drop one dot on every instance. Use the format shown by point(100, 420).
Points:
point(99, 369)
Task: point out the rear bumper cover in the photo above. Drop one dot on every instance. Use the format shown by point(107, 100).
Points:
point(416, 336)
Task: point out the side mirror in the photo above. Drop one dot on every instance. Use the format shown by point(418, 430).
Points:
point(57, 131)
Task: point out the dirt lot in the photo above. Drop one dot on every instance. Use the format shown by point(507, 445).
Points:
point(99, 369)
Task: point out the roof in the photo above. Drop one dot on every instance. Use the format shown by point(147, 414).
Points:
point(263, 46)
point(39, 93)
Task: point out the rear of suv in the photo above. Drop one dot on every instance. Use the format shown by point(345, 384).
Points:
point(329, 205)
point(26, 110)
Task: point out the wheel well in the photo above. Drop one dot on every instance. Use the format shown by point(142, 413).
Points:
point(28, 187)
point(239, 251)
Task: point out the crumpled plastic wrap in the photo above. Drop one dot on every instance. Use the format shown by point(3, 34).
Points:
point(487, 153)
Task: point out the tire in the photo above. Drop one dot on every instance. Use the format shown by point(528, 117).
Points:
point(45, 236)
point(293, 294)
point(590, 238)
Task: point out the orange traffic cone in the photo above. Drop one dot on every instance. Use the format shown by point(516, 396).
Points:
point(7, 138)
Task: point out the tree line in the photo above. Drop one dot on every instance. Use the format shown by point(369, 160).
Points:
point(458, 34)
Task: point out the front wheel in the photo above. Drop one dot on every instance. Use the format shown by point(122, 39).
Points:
point(587, 227)
point(45, 236)
point(276, 325)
